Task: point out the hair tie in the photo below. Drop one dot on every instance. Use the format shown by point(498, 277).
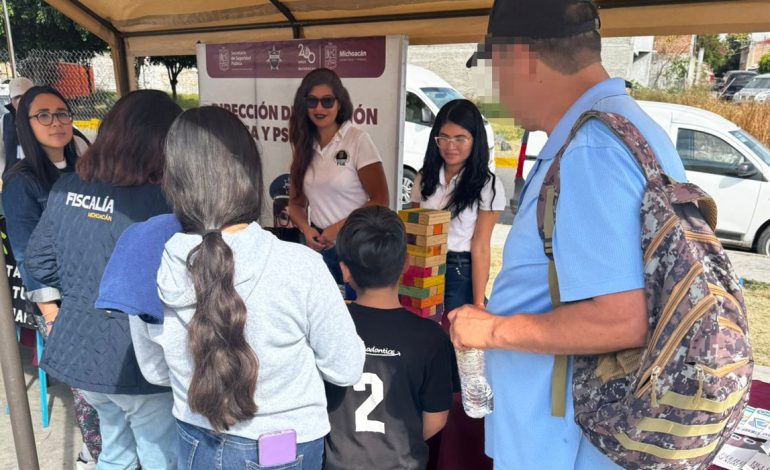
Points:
point(214, 232)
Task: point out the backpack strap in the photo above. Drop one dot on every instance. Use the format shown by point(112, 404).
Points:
point(546, 220)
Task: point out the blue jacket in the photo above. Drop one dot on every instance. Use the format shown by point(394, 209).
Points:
point(24, 199)
point(89, 349)
point(129, 281)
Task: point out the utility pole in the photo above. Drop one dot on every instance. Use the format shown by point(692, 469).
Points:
point(9, 39)
point(691, 65)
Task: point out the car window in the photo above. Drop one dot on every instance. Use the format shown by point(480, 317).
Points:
point(441, 96)
point(759, 82)
point(749, 141)
point(414, 107)
point(701, 151)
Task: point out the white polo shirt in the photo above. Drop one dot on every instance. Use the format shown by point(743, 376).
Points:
point(331, 185)
point(462, 227)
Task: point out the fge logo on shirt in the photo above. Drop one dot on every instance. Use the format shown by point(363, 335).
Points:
point(93, 203)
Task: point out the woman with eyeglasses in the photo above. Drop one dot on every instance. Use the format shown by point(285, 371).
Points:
point(115, 183)
point(51, 147)
point(455, 176)
point(335, 169)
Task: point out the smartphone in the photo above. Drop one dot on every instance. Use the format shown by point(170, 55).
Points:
point(277, 448)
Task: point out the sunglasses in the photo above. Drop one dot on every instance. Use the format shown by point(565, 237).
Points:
point(327, 102)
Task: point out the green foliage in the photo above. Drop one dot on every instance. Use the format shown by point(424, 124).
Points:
point(764, 64)
point(174, 65)
point(734, 44)
point(35, 25)
point(715, 51)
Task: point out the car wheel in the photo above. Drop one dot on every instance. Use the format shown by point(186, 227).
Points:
point(407, 182)
point(763, 242)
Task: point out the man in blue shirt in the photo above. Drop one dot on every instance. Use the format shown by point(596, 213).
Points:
point(547, 66)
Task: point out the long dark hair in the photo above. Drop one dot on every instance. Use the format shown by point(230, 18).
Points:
point(213, 179)
point(129, 148)
point(36, 162)
point(302, 132)
point(475, 173)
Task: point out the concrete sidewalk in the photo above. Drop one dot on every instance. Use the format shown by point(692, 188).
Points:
point(58, 444)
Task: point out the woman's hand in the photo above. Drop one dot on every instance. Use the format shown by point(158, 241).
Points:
point(329, 234)
point(313, 239)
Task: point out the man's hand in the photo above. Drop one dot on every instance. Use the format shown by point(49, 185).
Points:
point(472, 327)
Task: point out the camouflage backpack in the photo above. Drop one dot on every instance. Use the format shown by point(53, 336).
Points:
point(671, 404)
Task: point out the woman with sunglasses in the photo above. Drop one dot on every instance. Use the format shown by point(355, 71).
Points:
point(51, 147)
point(455, 176)
point(335, 168)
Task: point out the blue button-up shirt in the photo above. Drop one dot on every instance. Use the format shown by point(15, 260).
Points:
point(597, 251)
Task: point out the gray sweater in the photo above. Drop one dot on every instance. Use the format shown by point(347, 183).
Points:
point(298, 326)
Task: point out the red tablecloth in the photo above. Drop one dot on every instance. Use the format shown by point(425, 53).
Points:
point(759, 397)
point(462, 439)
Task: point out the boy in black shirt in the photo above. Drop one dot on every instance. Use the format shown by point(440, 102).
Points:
point(405, 392)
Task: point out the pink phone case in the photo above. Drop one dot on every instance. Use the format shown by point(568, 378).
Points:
point(277, 448)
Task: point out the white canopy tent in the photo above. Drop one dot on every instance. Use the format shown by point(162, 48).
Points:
point(172, 27)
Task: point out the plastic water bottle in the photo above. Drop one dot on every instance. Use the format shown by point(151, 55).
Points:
point(476, 392)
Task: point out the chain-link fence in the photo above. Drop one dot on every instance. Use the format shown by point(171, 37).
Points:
point(85, 80)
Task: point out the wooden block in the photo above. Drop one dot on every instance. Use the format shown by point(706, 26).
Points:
point(421, 312)
point(426, 251)
point(424, 216)
point(421, 293)
point(422, 282)
point(429, 302)
point(425, 262)
point(431, 240)
point(416, 271)
point(422, 230)
point(432, 313)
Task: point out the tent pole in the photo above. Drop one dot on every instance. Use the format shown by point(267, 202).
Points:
point(13, 379)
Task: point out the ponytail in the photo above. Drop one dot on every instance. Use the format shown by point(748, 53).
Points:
point(225, 367)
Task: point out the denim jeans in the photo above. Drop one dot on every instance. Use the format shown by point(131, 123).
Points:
point(202, 448)
point(135, 428)
point(332, 261)
point(458, 289)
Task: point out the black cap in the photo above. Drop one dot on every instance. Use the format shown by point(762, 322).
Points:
point(519, 21)
point(279, 187)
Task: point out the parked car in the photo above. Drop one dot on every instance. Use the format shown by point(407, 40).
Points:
point(758, 89)
point(721, 158)
point(733, 82)
point(426, 93)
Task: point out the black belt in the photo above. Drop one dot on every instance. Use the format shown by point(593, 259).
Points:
point(458, 257)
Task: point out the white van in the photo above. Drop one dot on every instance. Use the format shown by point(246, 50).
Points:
point(426, 93)
point(722, 159)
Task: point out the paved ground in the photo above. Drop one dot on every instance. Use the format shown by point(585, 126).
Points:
point(57, 445)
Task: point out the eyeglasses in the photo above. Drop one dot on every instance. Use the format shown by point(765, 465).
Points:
point(327, 102)
point(46, 119)
point(459, 141)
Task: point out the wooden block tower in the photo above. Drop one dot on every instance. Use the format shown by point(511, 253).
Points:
point(422, 285)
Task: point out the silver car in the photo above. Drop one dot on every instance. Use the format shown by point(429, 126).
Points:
point(758, 89)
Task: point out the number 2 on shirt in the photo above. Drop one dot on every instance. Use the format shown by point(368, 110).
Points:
point(363, 423)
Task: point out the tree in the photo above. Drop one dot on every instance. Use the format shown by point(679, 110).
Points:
point(764, 64)
point(735, 44)
point(35, 25)
point(174, 64)
point(715, 51)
